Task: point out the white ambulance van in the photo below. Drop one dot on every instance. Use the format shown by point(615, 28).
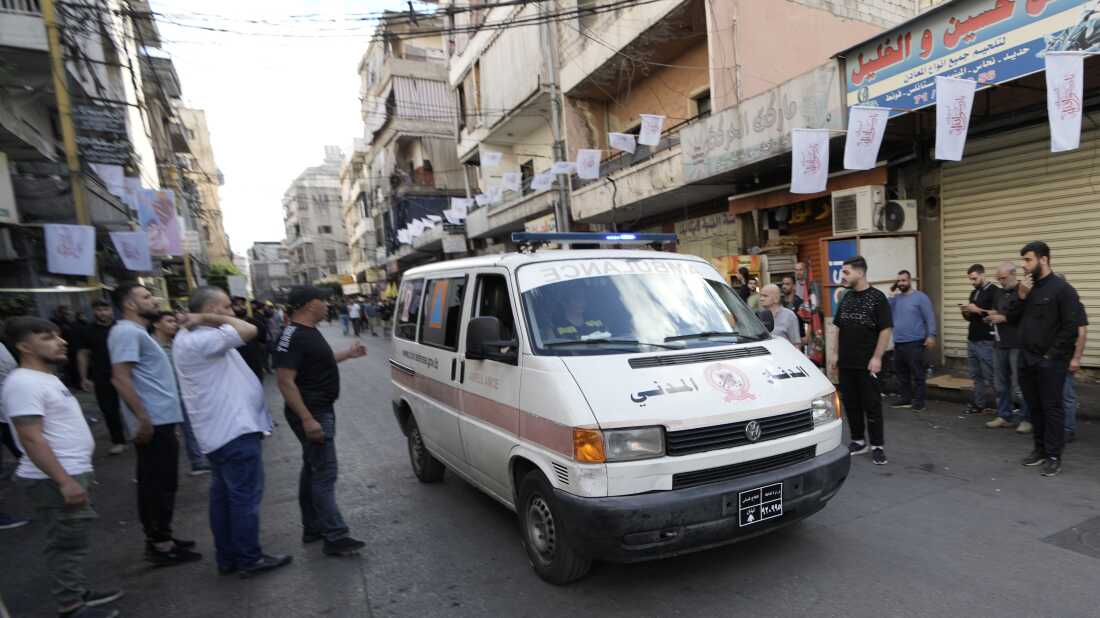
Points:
point(627, 405)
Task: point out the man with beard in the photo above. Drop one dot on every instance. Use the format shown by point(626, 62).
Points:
point(1047, 311)
point(914, 332)
point(791, 300)
point(864, 326)
point(1006, 356)
point(979, 337)
point(94, 362)
point(145, 381)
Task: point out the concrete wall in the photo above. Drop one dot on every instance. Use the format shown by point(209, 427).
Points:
point(756, 45)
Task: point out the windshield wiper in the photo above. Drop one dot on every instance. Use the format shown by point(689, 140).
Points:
point(703, 335)
point(556, 344)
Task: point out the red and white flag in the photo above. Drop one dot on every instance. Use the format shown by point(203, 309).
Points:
point(1065, 86)
point(70, 249)
point(866, 126)
point(954, 98)
point(809, 160)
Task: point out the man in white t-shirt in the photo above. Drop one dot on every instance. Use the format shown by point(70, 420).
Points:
point(55, 470)
point(225, 402)
point(355, 312)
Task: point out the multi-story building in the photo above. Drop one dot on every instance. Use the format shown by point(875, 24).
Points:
point(201, 169)
point(313, 215)
point(409, 114)
point(269, 270)
point(355, 187)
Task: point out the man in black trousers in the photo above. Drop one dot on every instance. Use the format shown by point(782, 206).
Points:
point(1046, 310)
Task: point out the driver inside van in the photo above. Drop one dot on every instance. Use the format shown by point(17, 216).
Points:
point(571, 322)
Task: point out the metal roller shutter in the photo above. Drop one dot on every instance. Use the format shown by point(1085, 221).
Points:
point(1009, 190)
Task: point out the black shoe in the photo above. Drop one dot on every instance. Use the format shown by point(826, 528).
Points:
point(1052, 466)
point(878, 456)
point(227, 570)
point(1035, 458)
point(311, 537)
point(171, 557)
point(264, 564)
point(95, 598)
point(918, 407)
point(972, 409)
point(90, 612)
point(855, 448)
point(181, 544)
point(343, 547)
point(901, 403)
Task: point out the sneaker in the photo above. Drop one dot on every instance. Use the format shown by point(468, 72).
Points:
point(264, 564)
point(311, 537)
point(171, 557)
point(918, 407)
point(998, 423)
point(1035, 458)
point(343, 547)
point(972, 409)
point(857, 448)
point(901, 403)
point(117, 449)
point(95, 598)
point(878, 456)
point(7, 522)
point(1051, 467)
point(90, 612)
point(182, 544)
point(199, 472)
point(1024, 427)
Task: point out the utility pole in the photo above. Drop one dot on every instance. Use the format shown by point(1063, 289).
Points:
point(563, 210)
point(65, 116)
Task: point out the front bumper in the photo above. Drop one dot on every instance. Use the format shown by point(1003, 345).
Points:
point(667, 523)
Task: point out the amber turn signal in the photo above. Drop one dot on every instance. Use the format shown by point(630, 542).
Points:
point(588, 446)
point(836, 404)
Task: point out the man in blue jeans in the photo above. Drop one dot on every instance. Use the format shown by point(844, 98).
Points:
point(309, 380)
point(1006, 356)
point(225, 402)
point(980, 337)
point(914, 332)
point(1069, 392)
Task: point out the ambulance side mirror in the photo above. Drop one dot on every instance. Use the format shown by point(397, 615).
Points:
point(484, 342)
point(767, 318)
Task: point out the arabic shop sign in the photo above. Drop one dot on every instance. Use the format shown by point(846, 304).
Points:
point(988, 41)
point(760, 127)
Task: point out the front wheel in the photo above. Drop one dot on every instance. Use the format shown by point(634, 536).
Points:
point(427, 468)
point(549, 545)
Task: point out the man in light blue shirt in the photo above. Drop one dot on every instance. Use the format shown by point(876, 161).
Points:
point(146, 384)
point(914, 332)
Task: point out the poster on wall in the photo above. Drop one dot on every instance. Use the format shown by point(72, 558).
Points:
point(839, 250)
point(157, 215)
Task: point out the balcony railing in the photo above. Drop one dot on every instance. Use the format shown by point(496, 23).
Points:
point(28, 7)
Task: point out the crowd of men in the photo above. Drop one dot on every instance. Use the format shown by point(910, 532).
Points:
point(158, 376)
point(1025, 341)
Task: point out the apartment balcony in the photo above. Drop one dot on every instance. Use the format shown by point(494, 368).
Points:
point(509, 216)
point(21, 25)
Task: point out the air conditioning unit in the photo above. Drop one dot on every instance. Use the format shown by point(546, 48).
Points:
point(865, 210)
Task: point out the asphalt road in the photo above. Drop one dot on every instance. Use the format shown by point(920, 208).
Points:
point(952, 526)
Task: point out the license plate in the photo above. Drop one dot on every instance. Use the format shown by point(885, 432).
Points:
point(760, 504)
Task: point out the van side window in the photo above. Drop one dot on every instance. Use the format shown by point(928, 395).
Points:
point(493, 301)
point(443, 312)
point(408, 309)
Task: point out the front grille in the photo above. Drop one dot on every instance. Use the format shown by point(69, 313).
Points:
point(648, 362)
point(745, 468)
point(687, 441)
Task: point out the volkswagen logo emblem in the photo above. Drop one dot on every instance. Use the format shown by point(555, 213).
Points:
point(752, 431)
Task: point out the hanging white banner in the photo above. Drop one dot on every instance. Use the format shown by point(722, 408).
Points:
point(461, 205)
point(482, 199)
point(511, 181)
point(490, 158)
point(70, 249)
point(542, 181)
point(133, 248)
point(866, 126)
point(131, 187)
point(113, 177)
point(563, 167)
point(622, 141)
point(496, 194)
point(809, 160)
point(453, 216)
point(650, 135)
point(954, 98)
point(588, 163)
point(1065, 87)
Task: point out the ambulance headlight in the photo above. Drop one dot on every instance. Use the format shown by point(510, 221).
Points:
point(633, 444)
point(825, 409)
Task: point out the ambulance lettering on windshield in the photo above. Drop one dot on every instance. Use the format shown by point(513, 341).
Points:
point(596, 268)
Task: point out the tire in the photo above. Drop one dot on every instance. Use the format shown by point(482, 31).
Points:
point(427, 469)
point(549, 546)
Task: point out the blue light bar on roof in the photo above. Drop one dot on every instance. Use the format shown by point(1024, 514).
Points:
point(618, 238)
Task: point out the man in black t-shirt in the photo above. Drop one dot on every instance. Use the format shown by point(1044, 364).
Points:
point(980, 337)
point(864, 326)
point(94, 365)
point(309, 380)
